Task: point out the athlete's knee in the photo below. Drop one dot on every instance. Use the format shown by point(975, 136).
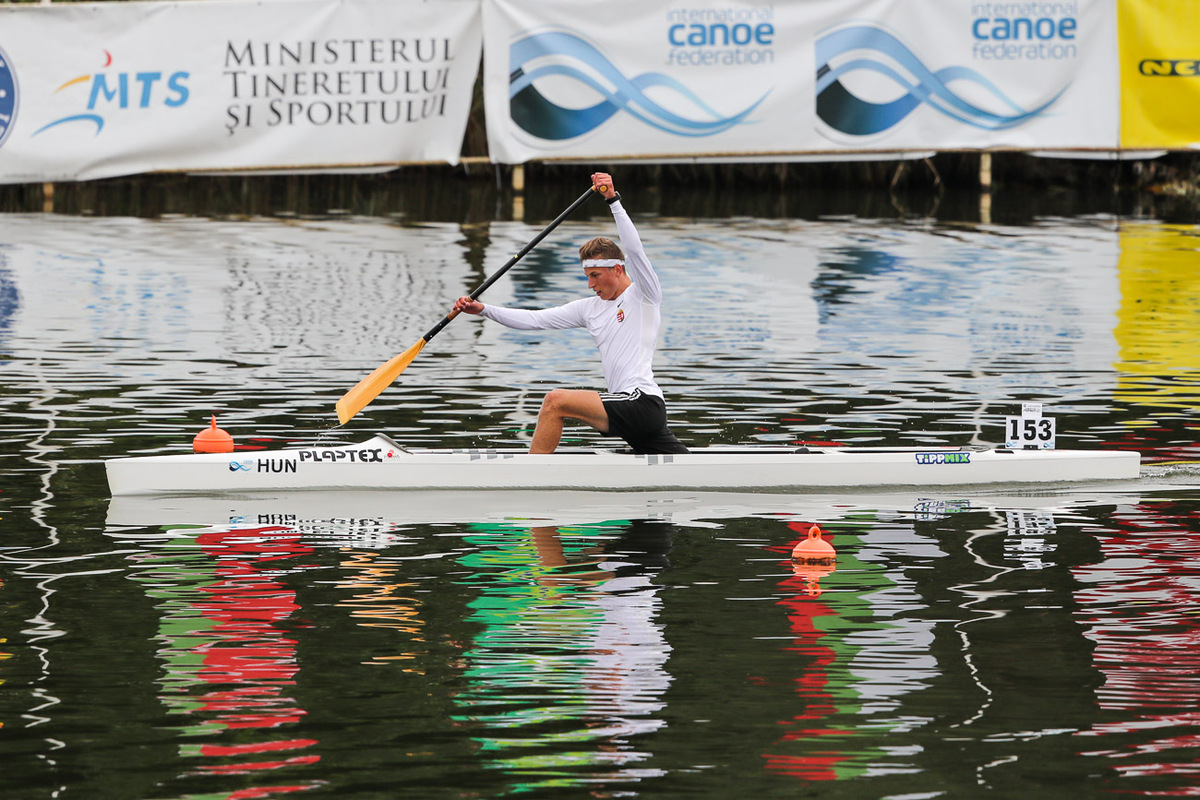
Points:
point(555, 402)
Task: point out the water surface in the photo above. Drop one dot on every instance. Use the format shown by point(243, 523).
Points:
point(1005, 641)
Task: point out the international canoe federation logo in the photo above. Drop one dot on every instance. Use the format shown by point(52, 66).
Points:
point(8, 97)
point(566, 65)
point(118, 92)
point(875, 56)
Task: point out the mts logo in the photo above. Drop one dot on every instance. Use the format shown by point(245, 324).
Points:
point(138, 89)
point(114, 91)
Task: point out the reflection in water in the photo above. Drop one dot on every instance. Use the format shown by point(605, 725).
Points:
point(809, 620)
point(1160, 302)
point(555, 660)
point(860, 654)
point(230, 668)
point(1158, 376)
point(568, 668)
point(376, 602)
point(3, 657)
point(1138, 604)
point(10, 302)
point(1030, 538)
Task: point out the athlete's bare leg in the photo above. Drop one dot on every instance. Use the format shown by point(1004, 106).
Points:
point(562, 404)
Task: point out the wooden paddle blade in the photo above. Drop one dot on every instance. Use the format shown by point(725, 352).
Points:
point(369, 387)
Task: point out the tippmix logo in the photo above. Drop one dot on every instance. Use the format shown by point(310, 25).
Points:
point(878, 58)
point(110, 92)
point(8, 96)
point(564, 64)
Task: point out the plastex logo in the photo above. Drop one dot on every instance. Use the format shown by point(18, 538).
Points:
point(111, 92)
point(8, 97)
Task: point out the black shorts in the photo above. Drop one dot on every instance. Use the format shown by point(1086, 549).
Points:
point(641, 420)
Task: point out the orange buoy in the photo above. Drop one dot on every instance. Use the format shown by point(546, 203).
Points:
point(813, 549)
point(813, 559)
point(212, 440)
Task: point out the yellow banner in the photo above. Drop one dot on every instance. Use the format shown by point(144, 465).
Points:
point(1160, 73)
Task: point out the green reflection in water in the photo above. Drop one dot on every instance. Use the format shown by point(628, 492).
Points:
point(568, 668)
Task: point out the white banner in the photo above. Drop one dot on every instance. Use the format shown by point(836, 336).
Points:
point(105, 89)
point(627, 78)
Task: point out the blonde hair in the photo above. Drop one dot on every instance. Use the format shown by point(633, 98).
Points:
point(600, 248)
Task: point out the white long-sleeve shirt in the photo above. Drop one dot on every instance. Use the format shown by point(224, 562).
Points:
point(625, 329)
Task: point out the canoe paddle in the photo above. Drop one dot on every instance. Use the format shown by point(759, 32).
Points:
point(369, 387)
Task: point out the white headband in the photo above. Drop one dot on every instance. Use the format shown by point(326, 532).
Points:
point(603, 262)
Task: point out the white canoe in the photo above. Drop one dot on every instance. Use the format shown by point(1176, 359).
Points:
point(381, 463)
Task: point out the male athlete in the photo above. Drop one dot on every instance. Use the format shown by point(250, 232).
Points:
point(623, 319)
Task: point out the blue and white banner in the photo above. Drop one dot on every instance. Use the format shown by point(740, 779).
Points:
point(106, 89)
point(98, 90)
point(626, 78)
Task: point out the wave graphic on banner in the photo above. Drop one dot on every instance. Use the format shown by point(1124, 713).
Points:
point(565, 55)
point(880, 52)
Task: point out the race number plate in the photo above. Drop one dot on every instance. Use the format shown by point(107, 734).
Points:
point(1030, 429)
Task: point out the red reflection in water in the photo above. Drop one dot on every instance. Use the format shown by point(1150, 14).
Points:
point(804, 607)
point(259, 747)
point(248, 649)
point(251, 766)
point(1155, 446)
point(245, 652)
point(1140, 611)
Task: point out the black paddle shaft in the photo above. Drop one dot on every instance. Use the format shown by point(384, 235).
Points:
point(583, 198)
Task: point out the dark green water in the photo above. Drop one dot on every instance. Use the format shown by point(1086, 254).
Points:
point(998, 643)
